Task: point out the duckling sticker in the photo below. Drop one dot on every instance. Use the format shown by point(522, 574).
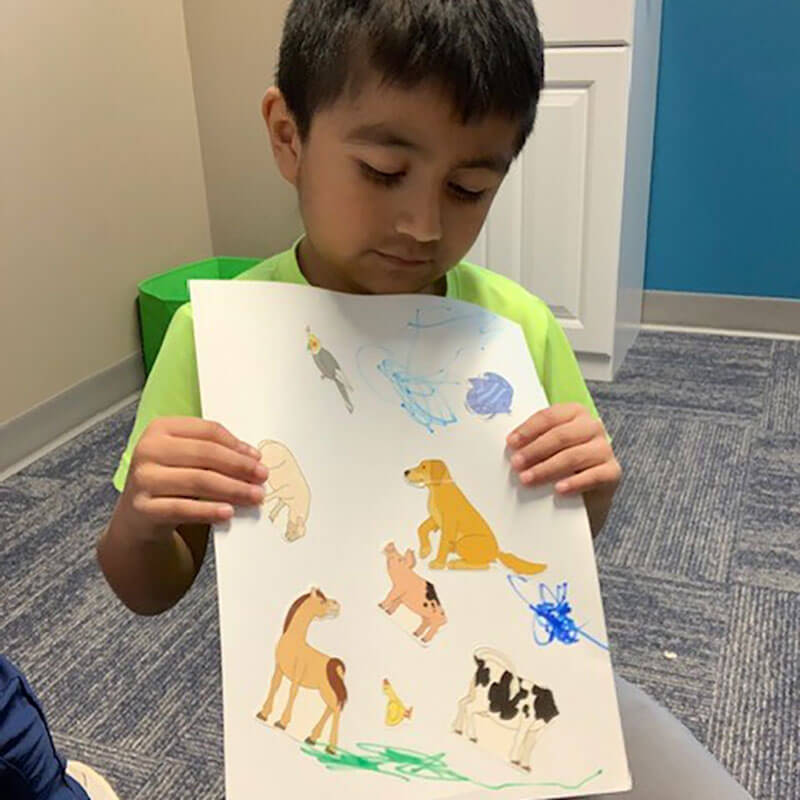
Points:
point(396, 711)
point(329, 368)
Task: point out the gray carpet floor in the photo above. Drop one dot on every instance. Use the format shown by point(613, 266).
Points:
point(701, 557)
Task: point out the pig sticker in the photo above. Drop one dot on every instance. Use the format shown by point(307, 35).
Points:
point(413, 593)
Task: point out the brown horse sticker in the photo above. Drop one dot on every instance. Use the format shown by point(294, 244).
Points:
point(307, 668)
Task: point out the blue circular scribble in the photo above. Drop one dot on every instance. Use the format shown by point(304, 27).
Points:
point(488, 395)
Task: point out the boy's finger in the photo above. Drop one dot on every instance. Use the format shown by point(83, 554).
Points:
point(171, 482)
point(576, 432)
point(541, 422)
point(182, 511)
point(563, 465)
point(588, 479)
point(200, 454)
point(196, 428)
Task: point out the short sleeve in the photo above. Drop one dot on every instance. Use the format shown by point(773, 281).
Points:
point(560, 374)
point(172, 388)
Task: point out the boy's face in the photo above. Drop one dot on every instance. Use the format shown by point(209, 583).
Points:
point(393, 189)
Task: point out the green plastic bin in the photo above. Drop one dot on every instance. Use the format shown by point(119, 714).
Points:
point(160, 296)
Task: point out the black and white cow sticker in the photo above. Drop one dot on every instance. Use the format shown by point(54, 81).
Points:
point(498, 703)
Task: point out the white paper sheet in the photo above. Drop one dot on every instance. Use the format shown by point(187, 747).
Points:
point(403, 365)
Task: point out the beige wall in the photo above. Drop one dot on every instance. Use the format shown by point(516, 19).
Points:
point(233, 46)
point(101, 183)
point(104, 182)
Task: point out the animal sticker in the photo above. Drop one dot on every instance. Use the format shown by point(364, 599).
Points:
point(488, 395)
point(308, 669)
point(288, 488)
point(396, 711)
point(464, 532)
point(502, 712)
point(415, 593)
point(329, 368)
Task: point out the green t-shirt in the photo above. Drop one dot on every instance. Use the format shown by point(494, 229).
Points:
point(172, 388)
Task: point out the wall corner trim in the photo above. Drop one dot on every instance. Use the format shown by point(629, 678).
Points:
point(64, 415)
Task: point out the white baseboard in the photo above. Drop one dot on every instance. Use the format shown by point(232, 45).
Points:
point(51, 423)
point(595, 367)
point(722, 312)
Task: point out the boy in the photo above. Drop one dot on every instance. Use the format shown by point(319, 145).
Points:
point(396, 121)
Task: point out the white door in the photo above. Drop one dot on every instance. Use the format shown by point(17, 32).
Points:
point(555, 224)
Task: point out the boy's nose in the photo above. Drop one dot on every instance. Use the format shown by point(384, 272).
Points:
point(423, 221)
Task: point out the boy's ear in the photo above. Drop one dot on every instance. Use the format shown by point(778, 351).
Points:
point(283, 134)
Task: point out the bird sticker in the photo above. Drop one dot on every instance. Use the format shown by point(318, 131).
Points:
point(329, 368)
point(396, 712)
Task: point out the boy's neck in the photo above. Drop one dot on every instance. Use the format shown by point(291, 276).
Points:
point(317, 273)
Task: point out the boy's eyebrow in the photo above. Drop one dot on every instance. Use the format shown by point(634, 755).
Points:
point(381, 134)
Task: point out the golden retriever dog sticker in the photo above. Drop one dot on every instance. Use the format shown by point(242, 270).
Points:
point(464, 532)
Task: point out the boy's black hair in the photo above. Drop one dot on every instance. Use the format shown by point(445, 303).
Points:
point(487, 55)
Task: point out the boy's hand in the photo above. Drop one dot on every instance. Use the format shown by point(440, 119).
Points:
point(565, 445)
point(181, 459)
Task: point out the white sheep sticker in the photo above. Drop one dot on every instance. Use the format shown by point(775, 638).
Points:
point(287, 488)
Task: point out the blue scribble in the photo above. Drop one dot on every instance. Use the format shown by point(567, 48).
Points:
point(419, 395)
point(487, 323)
point(552, 615)
point(468, 316)
point(421, 391)
point(489, 394)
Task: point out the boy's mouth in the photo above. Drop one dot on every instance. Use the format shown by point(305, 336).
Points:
point(403, 261)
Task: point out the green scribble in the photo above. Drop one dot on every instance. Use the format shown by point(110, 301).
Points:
point(398, 762)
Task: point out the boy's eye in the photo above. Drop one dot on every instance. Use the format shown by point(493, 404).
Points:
point(461, 194)
point(383, 178)
point(466, 195)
